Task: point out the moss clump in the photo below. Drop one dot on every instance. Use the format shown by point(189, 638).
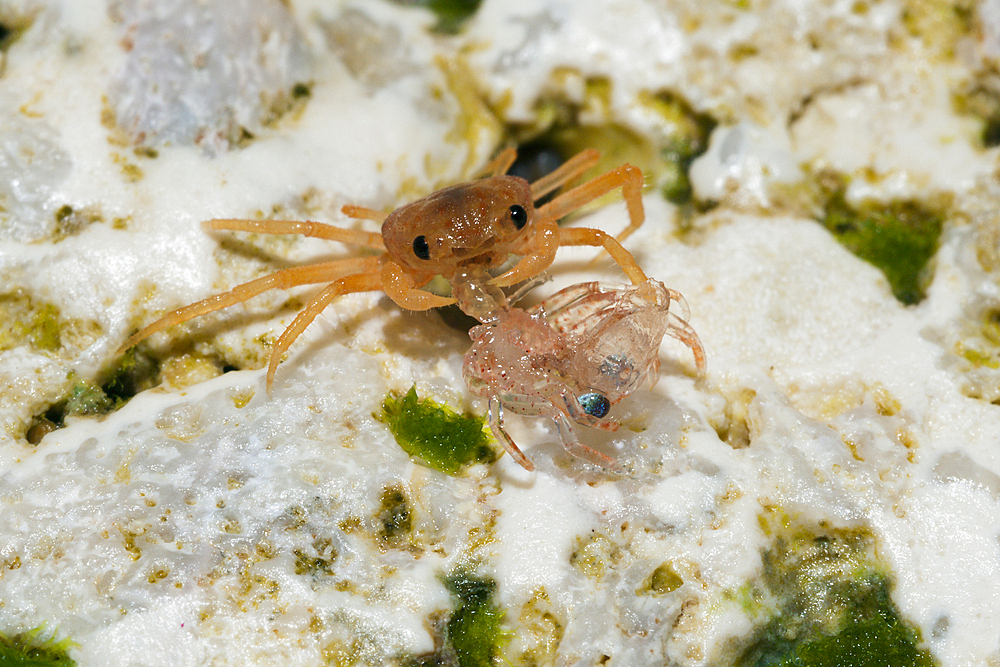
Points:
point(474, 631)
point(33, 649)
point(829, 606)
point(898, 237)
point(440, 438)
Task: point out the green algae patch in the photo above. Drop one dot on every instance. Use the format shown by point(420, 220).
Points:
point(826, 601)
point(315, 563)
point(70, 221)
point(439, 437)
point(594, 554)
point(135, 371)
point(664, 154)
point(685, 139)
point(616, 144)
point(898, 237)
point(27, 321)
point(871, 635)
point(471, 634)
point(451, 14)
point(941, 25)
point(474, 630)
point(44, 331)
point(981, 102)
point(86, 398)
point(34, 649)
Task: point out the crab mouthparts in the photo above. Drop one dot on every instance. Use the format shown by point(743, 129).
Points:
point(485, 247)
point(483, 258)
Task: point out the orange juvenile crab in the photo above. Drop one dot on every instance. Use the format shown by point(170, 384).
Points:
point(461, 233)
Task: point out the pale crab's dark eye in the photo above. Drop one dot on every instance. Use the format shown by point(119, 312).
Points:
point(519, 216)
point(420, 247)
point(595, 404)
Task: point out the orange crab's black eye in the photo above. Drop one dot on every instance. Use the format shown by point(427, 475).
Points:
point(595, 404)
point(519, 216)
point(420, 247)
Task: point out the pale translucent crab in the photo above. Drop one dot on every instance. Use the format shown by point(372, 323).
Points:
point(573, 356)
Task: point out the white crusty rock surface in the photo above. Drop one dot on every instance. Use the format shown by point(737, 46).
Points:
point(206, 522)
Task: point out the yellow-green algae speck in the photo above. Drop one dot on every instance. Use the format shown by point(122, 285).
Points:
point(439, 437)
point(982, 347)
point(826, 601)
point(394, 520)
point(34, 649)
point(981, 102)
point(25, 321)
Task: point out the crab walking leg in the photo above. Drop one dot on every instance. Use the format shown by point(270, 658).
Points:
point(299, 275)
point(573, 445)
point(496, 426)
point(597, 238)
point(364, 213)
point(360, 282)
point(683, 332)
point(627, 177)
point(543, 252)
point(500, 164)
point(400, 286)
point(550, 236)
point(317, 230)
point(565, 173)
